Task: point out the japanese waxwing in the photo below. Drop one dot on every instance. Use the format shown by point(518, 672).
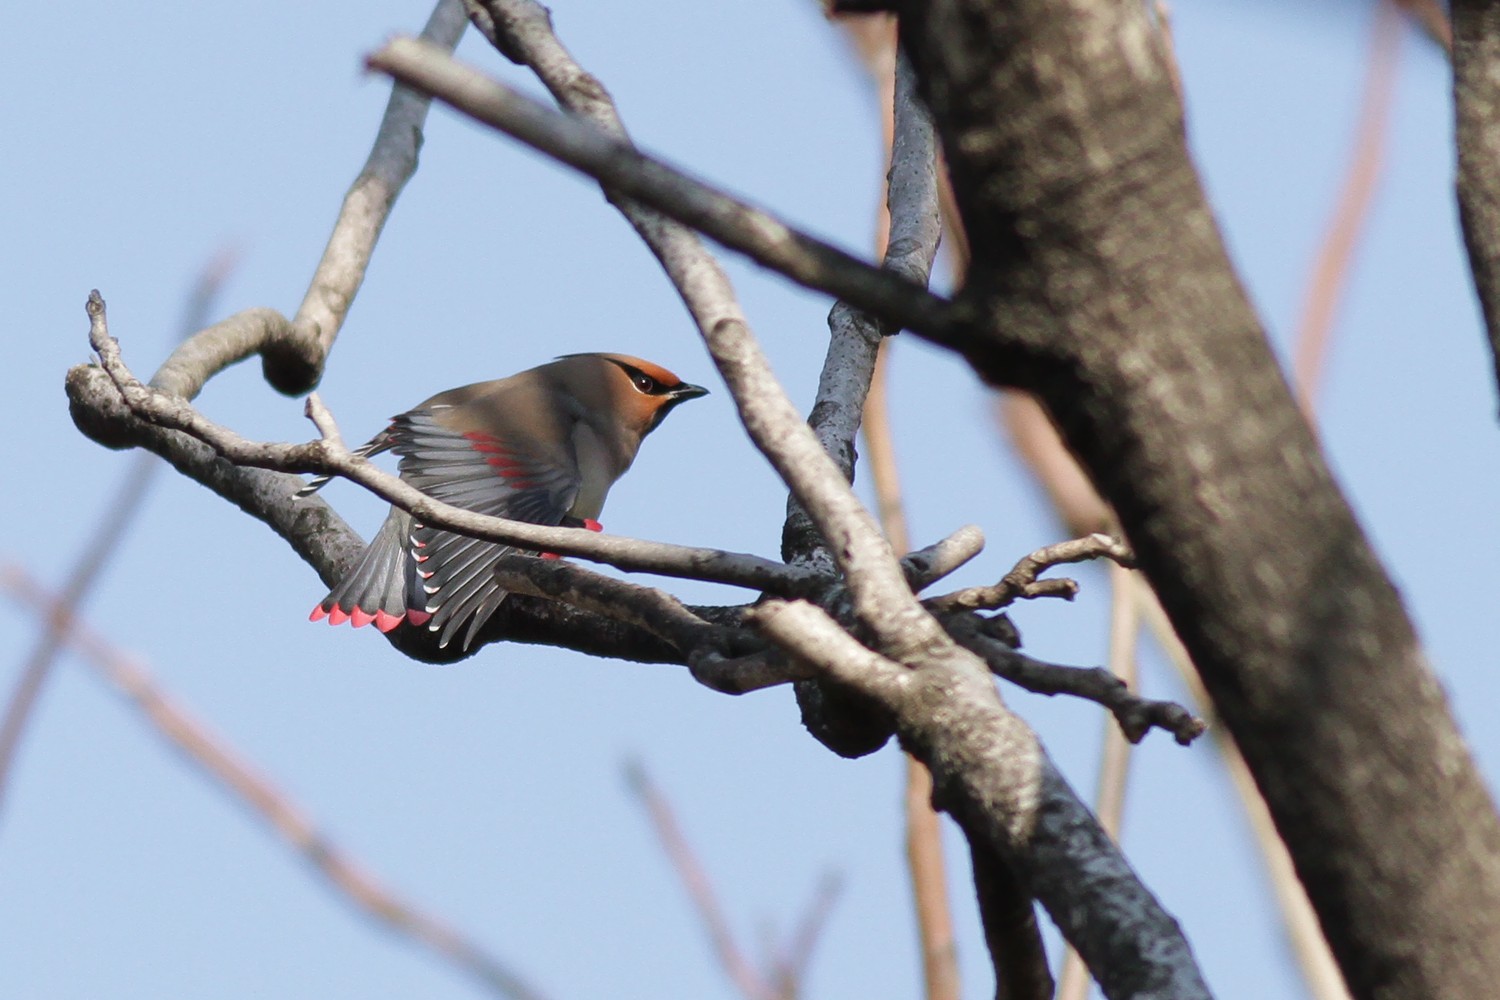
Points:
point(542, 446)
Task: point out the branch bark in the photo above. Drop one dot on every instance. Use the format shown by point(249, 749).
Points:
point(1104, 288)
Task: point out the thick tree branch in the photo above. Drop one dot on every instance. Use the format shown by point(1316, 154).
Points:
point(990, 773)
point(1103, 287)
point(854, 335)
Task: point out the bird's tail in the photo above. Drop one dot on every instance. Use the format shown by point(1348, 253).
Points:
point(376, 589)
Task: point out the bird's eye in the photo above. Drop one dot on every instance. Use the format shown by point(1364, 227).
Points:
point(645, 383)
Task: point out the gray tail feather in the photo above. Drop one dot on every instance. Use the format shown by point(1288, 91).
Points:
point(380, 580)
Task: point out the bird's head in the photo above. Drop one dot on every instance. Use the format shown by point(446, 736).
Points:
point(636, 394)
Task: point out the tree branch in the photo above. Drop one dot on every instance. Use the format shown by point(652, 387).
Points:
point(99, 548)
point(880, 598)
point(1022, 582)
point(1103, 287)
point(293, 351)
point(630, 174)
point(1136, 715)
point(990, 773)
point(329, 456)
point(239, 779)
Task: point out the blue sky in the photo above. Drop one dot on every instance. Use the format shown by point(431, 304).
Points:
point(143, 140)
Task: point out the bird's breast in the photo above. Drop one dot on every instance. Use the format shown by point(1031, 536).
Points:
point(597, 466)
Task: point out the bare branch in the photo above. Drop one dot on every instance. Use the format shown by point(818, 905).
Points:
point(1330, 274)
point(924, 567)
point(1010, 929)
point(855, 335)
point(791, 968)
point(690, 870)
point(1136, 715)
point(329, 456)
point(908, 224)
point(1022, 582)
point(293, 351)
point(235, 776)
point(99, 549)
point(1114, 749)
point(646, 608)
point(631, 174)
point(991, 774)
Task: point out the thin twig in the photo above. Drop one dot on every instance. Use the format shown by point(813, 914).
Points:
point(792, 966)
point(1021, 581)
point(99, 549)
point(695, 880)
point(1135, 715)
point(1330, 275)
point(212, 755)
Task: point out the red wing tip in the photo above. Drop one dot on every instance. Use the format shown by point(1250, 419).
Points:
point(360, 618)
point(337, 616)
point(417, 617)
point(385, 621)
point(550, 555)
point(592, 524)
point(318, 614)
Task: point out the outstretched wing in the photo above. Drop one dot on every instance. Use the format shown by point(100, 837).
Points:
point(377, 444)
point(484, 473)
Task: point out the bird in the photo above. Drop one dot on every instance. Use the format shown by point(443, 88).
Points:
point(543, 446)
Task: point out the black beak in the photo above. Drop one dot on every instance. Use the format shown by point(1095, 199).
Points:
point(684, 391)
point(678, 394)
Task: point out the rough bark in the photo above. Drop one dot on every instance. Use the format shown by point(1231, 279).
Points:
point(1103, 287)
